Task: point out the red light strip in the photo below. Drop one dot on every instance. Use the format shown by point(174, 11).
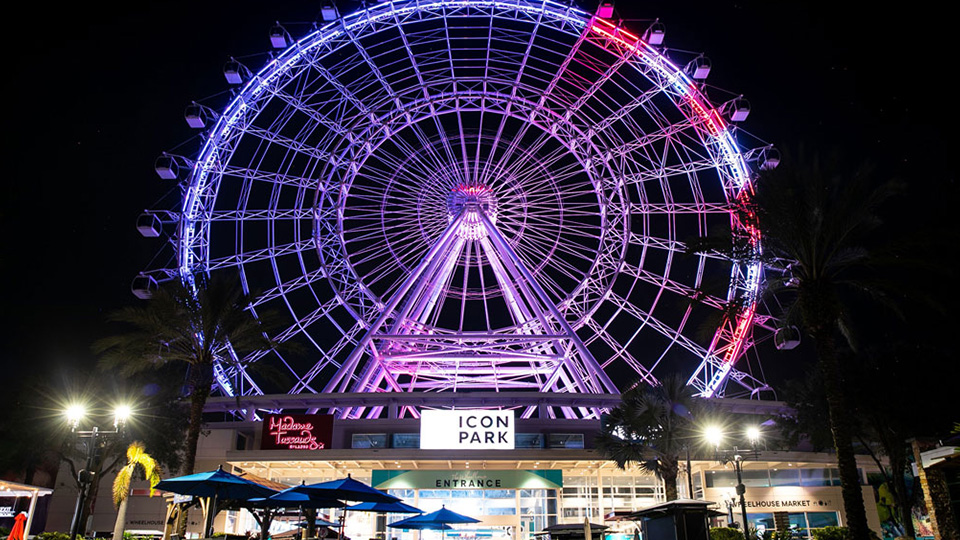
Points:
point(715, 124)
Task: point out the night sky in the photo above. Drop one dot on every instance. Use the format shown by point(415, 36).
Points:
point(98, 92)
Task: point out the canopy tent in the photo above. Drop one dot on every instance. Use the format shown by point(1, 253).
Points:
point(14, 489)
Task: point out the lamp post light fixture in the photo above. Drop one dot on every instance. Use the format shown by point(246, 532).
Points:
point(736, 456)
point(91, 439)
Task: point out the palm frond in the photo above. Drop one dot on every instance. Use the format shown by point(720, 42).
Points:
point(138, 461)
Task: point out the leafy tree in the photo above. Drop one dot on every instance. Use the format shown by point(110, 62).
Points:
point(187, 326)
point(139, 463)
point(651, 427)
point(821, 225)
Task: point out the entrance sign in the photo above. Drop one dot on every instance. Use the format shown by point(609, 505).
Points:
point(296, 432)
point(466, 430)
point(468, 479)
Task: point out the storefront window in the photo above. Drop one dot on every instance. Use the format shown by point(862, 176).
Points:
point(368, 440)
point(814, 477)
point(818, 520)
point(528, 440)
point(565, 440)
point(408, 494)
point(798, 524)
point(835, 477)
point(755, 478)
point(762, 521)
point(721, 479)
point(785, 477)
point(406, 440)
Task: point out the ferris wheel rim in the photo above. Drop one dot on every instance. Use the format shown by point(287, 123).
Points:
point(229, 123)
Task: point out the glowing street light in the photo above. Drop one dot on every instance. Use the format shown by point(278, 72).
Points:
point(120, 416)
point(713, 435)
point(735, 456)
point(75, 414)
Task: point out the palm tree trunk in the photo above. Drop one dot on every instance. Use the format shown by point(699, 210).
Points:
point(121, 523)
point(840, 427)
point(202, 375)
point(202, 380)
point(670, 472)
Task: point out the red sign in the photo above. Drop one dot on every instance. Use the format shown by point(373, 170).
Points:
point(297, 432)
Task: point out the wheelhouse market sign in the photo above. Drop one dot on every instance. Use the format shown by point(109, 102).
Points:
point(296, 432)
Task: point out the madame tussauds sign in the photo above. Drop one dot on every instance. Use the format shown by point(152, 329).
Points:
point(466, 430)
point(296, 432)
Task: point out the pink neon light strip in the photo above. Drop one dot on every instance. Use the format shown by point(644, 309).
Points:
point(716, 126)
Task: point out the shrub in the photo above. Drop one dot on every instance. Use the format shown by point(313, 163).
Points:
point(725, 533)
point(831, 533)
point(53, 535)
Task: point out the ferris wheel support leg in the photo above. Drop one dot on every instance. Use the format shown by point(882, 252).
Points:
point(594, 371)
point(430, 260)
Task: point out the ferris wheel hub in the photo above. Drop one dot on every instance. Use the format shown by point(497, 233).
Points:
point(474, 199)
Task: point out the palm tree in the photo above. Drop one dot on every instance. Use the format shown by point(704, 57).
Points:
point(820, 227)
point(195, 327)
point(651, 427)
point(138, 460)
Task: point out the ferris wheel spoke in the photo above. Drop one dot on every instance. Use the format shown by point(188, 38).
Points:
point(673, 334)
point(406, 170)
point(349, 338)
point(279, 179)
point(587, 95)
point(541, 103)
point(392, 94)
point(288, 143)
point(692, 293)
point(665, 133)
point(662, 174)
point(514, 87)
point(265, 254)
point(502, 166)
point(289, 286)
point(264, 214)
point(673, 208)
point(334, 125)
point(620, 350)
point(673, 246)
point(547, 245)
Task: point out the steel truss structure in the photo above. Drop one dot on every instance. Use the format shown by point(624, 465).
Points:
point(477, 195)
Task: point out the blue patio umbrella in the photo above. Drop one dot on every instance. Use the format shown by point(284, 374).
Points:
point(218, 485)
point(346, 489)
point(410, 523)
point(290, 498)
point(440, 519)
point(386, 508)
point(443, 516)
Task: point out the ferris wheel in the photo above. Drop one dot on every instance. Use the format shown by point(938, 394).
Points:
point(476, 195)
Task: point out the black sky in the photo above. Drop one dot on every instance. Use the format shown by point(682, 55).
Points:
point(97, 90)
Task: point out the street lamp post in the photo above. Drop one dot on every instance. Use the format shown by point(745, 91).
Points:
point(91, 439)
point(736, 456)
